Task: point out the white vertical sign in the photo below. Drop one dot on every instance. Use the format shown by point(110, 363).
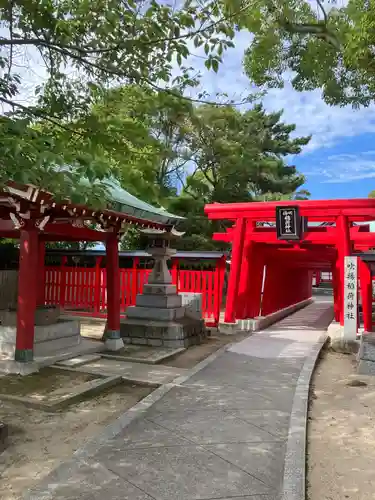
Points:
point(350, 298)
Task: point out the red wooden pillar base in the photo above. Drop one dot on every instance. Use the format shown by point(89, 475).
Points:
point(235, 271)
point(318, 278)
point(42, 274)
point(336, 292)
point(27, 294)
point(112, 335)
point(366, 294)
point(343, 250)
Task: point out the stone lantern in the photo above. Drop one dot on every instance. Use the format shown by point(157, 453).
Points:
point(159, 318)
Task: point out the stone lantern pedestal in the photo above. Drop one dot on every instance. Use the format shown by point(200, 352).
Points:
point(159, 318)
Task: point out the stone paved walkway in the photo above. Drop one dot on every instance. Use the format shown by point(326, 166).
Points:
point(220, 434)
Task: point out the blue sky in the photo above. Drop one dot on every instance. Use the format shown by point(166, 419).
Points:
point(339, 162)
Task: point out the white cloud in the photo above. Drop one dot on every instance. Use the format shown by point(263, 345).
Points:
point(345, 168)
point(328, 125)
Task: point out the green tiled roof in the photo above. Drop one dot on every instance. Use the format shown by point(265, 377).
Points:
point(124, 202)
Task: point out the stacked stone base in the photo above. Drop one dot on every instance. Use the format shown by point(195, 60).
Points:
point(366, 355)
point(184, 332)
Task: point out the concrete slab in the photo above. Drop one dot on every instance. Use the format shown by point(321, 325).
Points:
point(136, 372)
point(184, 398)
point(275, 422)
point(197, 427)
point(182, 472)
point(87, 482)
point(79, 360)
point(144, 354)
point(267, 460)
point(144, 434)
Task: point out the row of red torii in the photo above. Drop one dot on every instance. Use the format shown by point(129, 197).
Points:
point(277, 246)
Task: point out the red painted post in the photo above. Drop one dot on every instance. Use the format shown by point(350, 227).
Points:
point(235, 268)
point(247, 270)
point(366, 294)
point(218, 287)
point(255, 291)
point(336, 293)
point(343, 250)
point(98, 284)
point(42, 273)
point(63, 275)
point(134, 279)
point(27, 293)
point(175, 272)
point(318, 278)
point(113, 337)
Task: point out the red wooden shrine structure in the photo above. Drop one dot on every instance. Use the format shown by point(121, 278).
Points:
point(83, 290)
point(33, 216)
point(270, 273)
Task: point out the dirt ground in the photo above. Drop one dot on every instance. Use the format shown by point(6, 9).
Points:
point(39, 441)
point(341, 432)
point(43, 382)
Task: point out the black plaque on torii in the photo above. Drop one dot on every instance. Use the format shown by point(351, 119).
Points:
point(289, 224)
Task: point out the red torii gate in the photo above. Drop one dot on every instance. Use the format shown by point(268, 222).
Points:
point(268, 274)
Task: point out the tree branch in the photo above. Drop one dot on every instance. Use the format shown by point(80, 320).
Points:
point(321, 6)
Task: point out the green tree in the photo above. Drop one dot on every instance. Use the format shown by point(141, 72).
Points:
point(318, 44)
point(87, 46)
point(237, 157)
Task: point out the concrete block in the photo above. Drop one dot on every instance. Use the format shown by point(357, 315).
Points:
point(367, 347)
point(157, 314)
point(3, 436)
point(63, 328)
point(175, 343)
point(43, 316)
point(155, 342)
point(193, 304)
point(159, 301)
point(10, 366)
point(153, 289)
point(51, 346)
point(344, 346)
point(114, 344)
point(366, 367)
point(139, 340)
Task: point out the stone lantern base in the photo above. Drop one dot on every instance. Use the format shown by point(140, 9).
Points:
point(159, 317)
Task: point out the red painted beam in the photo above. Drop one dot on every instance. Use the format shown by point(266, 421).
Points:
point(323, 209)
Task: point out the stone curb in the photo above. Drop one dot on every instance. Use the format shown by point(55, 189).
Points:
point(45, 490)
point(66, 399)
point(294, 483)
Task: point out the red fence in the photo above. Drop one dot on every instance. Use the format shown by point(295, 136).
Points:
point(83, 290)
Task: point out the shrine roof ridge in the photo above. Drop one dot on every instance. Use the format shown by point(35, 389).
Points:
point(121, 203)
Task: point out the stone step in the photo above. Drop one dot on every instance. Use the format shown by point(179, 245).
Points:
point(159, 301)
point(79, 360)
point(161, 314)
point(154, 289)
